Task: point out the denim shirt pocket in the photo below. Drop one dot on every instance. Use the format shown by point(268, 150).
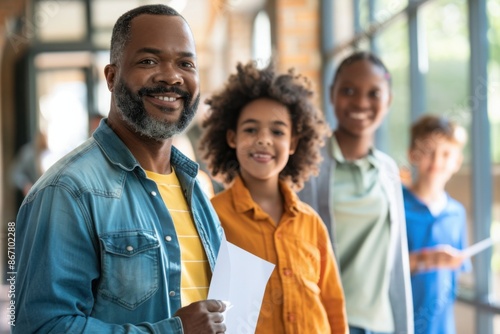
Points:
point(130, 267)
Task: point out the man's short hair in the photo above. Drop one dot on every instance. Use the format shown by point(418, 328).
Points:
point(121, 30)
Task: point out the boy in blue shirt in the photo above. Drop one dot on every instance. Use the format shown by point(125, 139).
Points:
point(436, 223)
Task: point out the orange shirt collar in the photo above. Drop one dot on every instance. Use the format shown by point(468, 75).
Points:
point(243, 200)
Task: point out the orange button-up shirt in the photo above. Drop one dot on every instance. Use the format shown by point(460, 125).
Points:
point(304, 293)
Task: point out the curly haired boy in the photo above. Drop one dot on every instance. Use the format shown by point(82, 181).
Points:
point(262, 136)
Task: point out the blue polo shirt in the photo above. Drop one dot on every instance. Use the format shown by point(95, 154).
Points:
point(434, 291)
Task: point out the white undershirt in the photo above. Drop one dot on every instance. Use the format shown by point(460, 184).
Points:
point(437, 206)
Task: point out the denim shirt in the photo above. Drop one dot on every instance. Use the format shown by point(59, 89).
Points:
point(96, 247)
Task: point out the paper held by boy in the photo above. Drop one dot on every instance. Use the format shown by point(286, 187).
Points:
point(480, 246)
point(239, 279)
point(468, 252)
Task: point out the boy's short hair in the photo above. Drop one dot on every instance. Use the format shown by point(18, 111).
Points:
point(437, 125)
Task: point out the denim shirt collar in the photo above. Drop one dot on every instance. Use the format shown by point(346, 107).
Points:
point(119, 154)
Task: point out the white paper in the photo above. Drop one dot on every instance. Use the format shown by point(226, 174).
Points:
point(479, 247)
point(239, 279)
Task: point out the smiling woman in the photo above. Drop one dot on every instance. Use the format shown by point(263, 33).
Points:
point(361, 101)
point(358, 196)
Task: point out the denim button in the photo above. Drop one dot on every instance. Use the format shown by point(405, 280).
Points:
point(153, 193)
point(130, 248)
point(171, 293)
point(168, 238)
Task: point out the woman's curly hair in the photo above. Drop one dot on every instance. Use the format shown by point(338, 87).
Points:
point(245, 86)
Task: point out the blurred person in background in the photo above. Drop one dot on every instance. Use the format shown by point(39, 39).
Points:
point(29, 163)
point(436, 223)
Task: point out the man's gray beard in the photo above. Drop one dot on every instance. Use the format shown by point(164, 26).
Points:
point(133, 112)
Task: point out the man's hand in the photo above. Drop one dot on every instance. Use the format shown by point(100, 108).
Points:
point(203, 317)
point(439, 257)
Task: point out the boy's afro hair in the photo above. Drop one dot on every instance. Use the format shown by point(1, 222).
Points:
point(250, 83)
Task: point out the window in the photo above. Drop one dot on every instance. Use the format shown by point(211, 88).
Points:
point(59, 21)
point(261, 39)
point(447, 80)
point(62, 110)
point(393, 46)
point(494, 79)
point(493, 91)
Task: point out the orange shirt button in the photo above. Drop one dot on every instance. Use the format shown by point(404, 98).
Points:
point(287, 272)
point(291, 317)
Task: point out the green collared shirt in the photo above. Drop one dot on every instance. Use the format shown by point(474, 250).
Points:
point(361, 210)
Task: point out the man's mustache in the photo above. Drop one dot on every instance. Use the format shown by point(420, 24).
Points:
point(162, 90)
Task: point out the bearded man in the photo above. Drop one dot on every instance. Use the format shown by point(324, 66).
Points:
point(118, 237)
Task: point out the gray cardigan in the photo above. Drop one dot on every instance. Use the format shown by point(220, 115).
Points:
point(319, 195)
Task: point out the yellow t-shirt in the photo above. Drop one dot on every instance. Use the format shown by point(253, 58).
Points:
point(195, 269)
